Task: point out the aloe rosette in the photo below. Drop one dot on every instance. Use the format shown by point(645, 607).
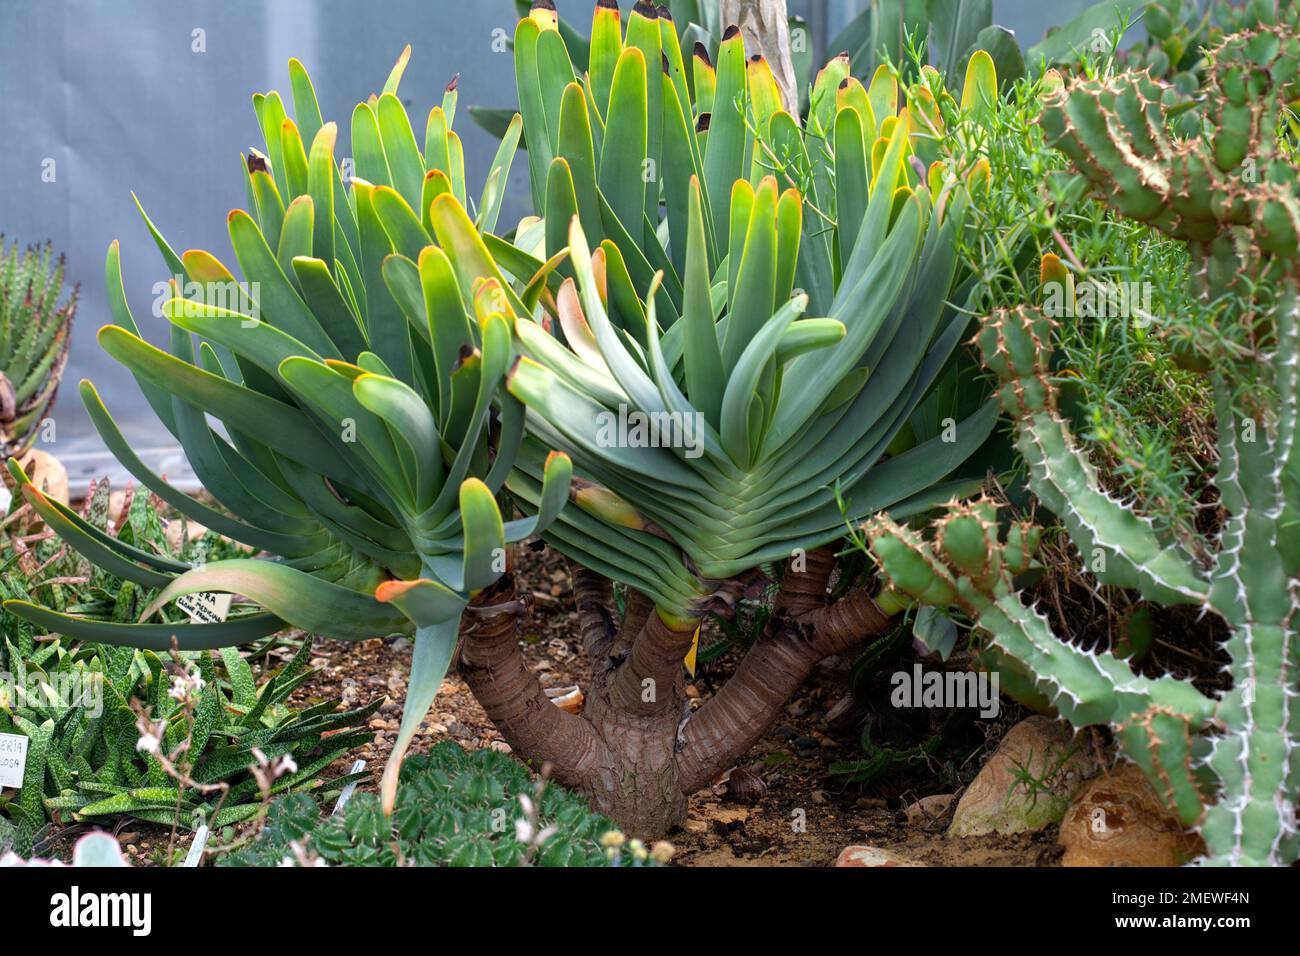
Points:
point(749, 316)
point(35, 327)
point(700, 317)
point(356, 372)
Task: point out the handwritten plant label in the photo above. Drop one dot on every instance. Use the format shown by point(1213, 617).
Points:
point(13, 760)
point(206, 607)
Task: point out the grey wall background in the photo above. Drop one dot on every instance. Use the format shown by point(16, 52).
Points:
point(113, 92)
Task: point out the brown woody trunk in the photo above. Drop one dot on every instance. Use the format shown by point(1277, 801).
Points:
point(638, 751)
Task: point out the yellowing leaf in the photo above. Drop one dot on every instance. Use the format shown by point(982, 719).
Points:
point(691, 654)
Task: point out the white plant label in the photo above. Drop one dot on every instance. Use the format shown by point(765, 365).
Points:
point(206, 607)
point(195, 855)
point(13, 760)
point(348, 788)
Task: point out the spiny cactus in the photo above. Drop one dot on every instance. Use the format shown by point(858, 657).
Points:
point(1211, 191)
point(34, 328)
point(1229, 766)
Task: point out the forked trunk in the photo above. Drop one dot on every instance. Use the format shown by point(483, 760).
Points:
point(638, 750)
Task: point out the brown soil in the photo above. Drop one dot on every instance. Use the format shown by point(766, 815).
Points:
point(807, 815)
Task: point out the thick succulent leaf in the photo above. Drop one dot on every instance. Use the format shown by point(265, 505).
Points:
point(116, 558)
point(484, 538)
point(274, 294)
point(409, 419)
point(743, 384)
point(278, 543)
point(328, 389)
point(954, 25)
point(321, 173)
point(328, 304)
point(622, 179)
point(430, 658)
point(498, 175)
point(303, 600)
point(725, 149)
point(155, 637)
point(467, 252)
point(424, 601)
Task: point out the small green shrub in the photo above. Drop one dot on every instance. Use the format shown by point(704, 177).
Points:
point(82, 704)
point(454, 807)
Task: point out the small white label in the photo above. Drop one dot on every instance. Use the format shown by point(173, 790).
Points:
point(206, 607)
point(348, 788)
point(196, 848)
point(13, 760)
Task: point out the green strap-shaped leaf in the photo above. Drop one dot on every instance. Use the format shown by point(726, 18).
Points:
point(157, 398)
point(851, 182)
point(386, 328)
point(622, 173)
point(295, 160)
point(743, 384)
point(702, 355)
point(644, 34)
point(408, 417)
point(561, 205)
point(320, 178)
point(400, 222)
point(306, 109)
point(606, 46)
point(468, 254)
point(528, 87)
point(484, 536)
point(725, 149)
point(272, 423)
point(89, 541)
point(328, 388)
point(157, 637)
point(752, 295)
point(577, 147)
point(498, 175)
point(270, 288)
point(296, 236)
point(430, 658)
point(447, 322)
point(404, 159)
point(326, 301)
point(278, 543)
point(303, 600)
point(368, 147)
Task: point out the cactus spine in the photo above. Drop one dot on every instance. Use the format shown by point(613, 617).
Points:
point(1228, 766)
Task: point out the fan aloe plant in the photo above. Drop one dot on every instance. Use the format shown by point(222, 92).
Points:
point(34, 337)
point(356, 371)
point(1228, 765)
point(758, 428)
